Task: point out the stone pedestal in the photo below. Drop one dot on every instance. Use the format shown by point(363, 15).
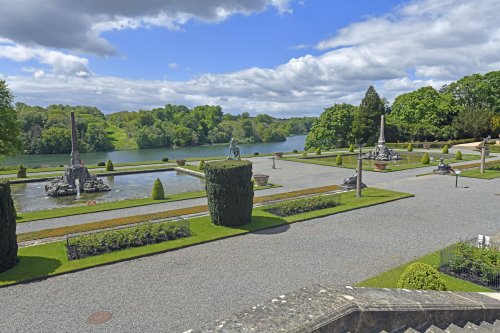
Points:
point(66, 185)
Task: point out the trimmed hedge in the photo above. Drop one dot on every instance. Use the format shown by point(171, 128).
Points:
point(119, 239)
point(458, 155)
point(8, 239)
point(164, 159)
point(304, 154)
point(425, 159)
point(445, 149)
point(157, 193)
point(110, 166)
point(318, 151)
point(299, 206)
point(229, 192)
point(101, 164)
point(351, 148)
point(21, 171)
point(410, 147)
point(202, 165)
point(338, 159)
point(421, 276)
point(435, 144)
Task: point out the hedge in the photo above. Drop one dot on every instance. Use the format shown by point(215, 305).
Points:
point(21, 171)
point(157, 193)
point(299, 206)
point(110, 166)
point(229, 192)
point(421, 276)
point(435, 144)
point(8, 239)
point(338, 159)
point(425, 159)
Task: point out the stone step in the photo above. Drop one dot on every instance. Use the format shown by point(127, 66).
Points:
point(470, 327)
point(433, 329)
point(489, 326)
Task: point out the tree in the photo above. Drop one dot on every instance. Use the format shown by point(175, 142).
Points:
point(367, 117)
point(333, 128)
point(474, 121)
point(10, 142)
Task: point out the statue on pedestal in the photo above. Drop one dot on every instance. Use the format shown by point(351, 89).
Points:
point(234, 150)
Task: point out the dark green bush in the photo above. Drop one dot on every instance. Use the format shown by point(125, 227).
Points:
point(157, 193)
point(256, 153)
point(110, 166)
point(101, 164)
point(114, 240)
point(481, 262)
point(338, 159)
point(229, 192)
point(164, 159)
point(202, 165)
point(425, 159)
point(445, 149)
point(21, 171)
point(318, 151)
point(295, 151)
point(410, 147)
point(8, 239)
point(298, 206)
point(458, 155)
point(421, 276)
point(351, 148)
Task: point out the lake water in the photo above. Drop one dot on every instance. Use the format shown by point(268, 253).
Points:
point(31, 196)
point(291, 143)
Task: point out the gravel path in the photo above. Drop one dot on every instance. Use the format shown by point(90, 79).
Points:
point(176, 291)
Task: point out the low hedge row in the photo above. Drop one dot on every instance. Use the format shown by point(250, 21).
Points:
point(435, 144)
point(298, 206)
point(119, 239)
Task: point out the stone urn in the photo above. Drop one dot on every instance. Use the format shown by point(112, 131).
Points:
point(380, 166)
point(278, 155)
point(260, 179)
point(181, 162)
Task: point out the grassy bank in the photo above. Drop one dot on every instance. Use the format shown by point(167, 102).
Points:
point(119, 139)
point(488, 173)
point(40, 261)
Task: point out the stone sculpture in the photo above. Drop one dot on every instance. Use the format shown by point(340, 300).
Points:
point(382, 152)
point(349, 183)
point(234, 150)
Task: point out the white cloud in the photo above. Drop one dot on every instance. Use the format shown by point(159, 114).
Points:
point(173, 65)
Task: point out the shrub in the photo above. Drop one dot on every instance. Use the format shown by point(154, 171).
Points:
point(410, 147)
point(114, 240)
point(338, 160)
point(298, 206)
point(458, 155)
point(157, 193)
point(445, 149)
point(229, 192)
point(304, 154)
point(164, 159)
point(110, 166)
point(8, 239)
point(421, 276)
point(21, 171)
point(202, 165)
point(318, 151)
point(351, 148)
point(256, 153)
point(425, 159)
point(101, 164)
point(295, 151)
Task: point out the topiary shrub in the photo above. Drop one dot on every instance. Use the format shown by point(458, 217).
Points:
point(351, 148)
point(338, 160)
point(425, 159)
point(164, 159)
point(101, 164)
point(256, 153)
point(410, 147)
point(421, 276)
point(445, 149)
point(157, 193)
point(458, 155)
point(229, 192)
point(304, 154)
point(21, 171)
point(110, 166)
point(318, 151)
point(202, 165)
point(295, 151)
point(8, 239)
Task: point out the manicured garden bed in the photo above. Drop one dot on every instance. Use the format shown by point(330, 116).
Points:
point(303, 205)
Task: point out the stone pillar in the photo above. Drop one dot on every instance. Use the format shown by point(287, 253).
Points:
point(483, 158)
point(359, 180)
point(75, 154)
point(381, 138)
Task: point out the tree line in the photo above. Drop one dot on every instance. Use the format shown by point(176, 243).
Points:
point(467, 108)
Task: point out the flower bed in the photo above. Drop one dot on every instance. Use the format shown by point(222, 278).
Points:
point(113, 240)
point(298, 206)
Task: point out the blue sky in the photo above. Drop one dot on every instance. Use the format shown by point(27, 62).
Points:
point(281, 57)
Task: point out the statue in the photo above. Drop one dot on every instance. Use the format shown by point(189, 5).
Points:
point(443, 168)
point(349, 183)
point(234, 150)
point(382, 152)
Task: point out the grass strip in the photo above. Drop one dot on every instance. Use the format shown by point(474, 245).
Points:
point(488, 174)
point(390, 278)
point(49, 259)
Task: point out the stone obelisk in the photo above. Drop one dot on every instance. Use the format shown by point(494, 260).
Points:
point(75, 154)
point(381, 138)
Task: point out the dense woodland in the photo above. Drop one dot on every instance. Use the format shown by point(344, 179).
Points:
point(467, 108)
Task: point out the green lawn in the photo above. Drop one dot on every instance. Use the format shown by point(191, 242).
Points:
point(390, 278)
point(40, 261)
point(119, 139)
point(475, 173)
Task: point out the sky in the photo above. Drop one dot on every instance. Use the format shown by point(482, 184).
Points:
point(280, 57)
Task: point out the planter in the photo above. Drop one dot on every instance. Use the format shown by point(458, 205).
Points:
point(380, 166)
point(181, 162)
point(278, 155)
point(260, 179)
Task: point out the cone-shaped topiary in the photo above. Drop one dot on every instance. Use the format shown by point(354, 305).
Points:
point(202, 165)
point(8, 239)
point(110, 166)
point(421, 276)
point(351, 148)
point(338, 160)
point(410, 147)
point(157, 193)
point(445, 149)
point(304, 154)
point(425, 159)
point(21, 171)
point(458, 155)
point(229, 192)
point(318, 151)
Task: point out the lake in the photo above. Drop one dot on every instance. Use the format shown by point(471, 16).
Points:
point(291, 143)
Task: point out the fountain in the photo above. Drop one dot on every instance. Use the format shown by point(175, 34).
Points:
point(382, 152)
point(67, 184)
